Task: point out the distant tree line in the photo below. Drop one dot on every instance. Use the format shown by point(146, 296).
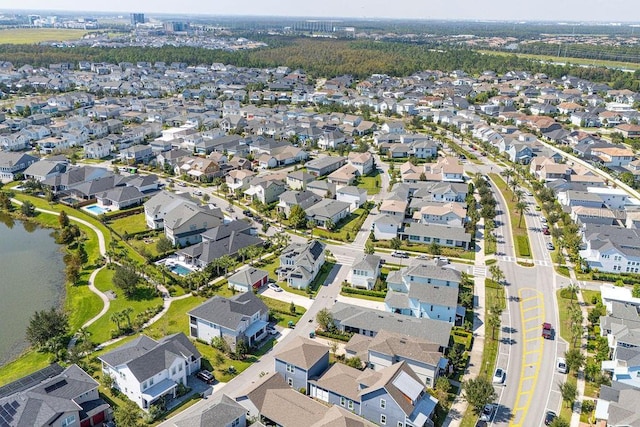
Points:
point(320, 58)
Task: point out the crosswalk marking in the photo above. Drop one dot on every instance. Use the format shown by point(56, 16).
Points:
point(479, 271)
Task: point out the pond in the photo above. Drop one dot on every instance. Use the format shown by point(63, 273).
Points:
point(31, 279)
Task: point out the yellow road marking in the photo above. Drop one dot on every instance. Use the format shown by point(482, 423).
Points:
point(524, 398)
point(535, 307)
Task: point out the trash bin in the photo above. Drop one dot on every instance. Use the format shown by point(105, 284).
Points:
point(312, 334)
point(290, 323)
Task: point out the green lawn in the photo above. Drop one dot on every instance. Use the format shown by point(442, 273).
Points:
point(587, 296)
point(176, 319)
point(81, 304)
point(570, 60)
point(28, 362)
point(371, 183)
point(565, 321)
point(37, 35)
point(129, 224)
point(346, 229)
point(144, 299)
point(422, 248)
point(282, 319)
point(523, 249)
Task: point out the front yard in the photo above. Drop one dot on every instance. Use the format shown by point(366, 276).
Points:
point(371, 183)
point(347, 229)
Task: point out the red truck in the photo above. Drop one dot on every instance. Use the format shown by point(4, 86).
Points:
point(547, 331)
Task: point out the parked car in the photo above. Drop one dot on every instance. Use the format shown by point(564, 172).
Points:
point(499, 376)
point(444, 260)
point(546, 231)
point(181, 184)
point(197, 193)
point(247, 212)
point(272, 331)
point(549, 417)
point(547, 331)
point(543, 220)
point(206, 376)
point(399, 254)
point(550, 246)
point(561, 365)
point(487, 412)
point(275, 287)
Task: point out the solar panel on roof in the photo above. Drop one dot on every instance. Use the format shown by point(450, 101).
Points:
point(15, 404)
point(55, 386)
point(10, 409)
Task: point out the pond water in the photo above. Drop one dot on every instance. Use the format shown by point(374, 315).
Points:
point(31, 279)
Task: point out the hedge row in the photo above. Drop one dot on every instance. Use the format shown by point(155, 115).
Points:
point(350, 290)
point(627, 279)
point(461, 336)
point(285, 312)
point(345, 337)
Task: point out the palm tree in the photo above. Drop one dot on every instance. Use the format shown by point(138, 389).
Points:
point(243, 253)
point(518, 194)
point(507, 173)
point(521, 207)
point(115, 318)
point(126, 313)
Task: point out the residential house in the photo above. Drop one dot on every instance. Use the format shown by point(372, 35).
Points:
point(289, 199)
point(363, 162)
point(198, 168)
point(53, 396)
point(171, 158)
point(220, 240)
point(324, 165)
point(44, 169)
point(239, 179)
point(387, 348)
point(331, 139)
point(266, 189)
point(365, 271)
point(14, 142)
point(397, 208)
point(445, 169)
point(613, 156)
point(146, 370)
point(11, 164)
point(386, 227)
point(617, 407)
point(120, 198)
point(185, 223)
point(300, 263)
point(300, 360)
point(355, 196)
point(157, 207)
point(136, 154)
point(629, 130)
point(248, 279)
point(327, 212)
point(98, 149)
point(322, 188)
point(611, 249)
point(298, 180)
point(451, 213)
point(243, 317)
point(346, 175)
point(442, 235)
point(426, 290)
point(222, 411)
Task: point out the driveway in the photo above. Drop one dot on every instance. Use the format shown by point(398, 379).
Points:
point(287, 297)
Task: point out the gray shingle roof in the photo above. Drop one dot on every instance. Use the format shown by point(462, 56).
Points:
point(368, 262)
point(302, 352)
point(222, 411)
point(327, 208)
point(229, 312)
point(248, 276)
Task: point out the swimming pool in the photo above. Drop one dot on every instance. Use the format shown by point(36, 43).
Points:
point(95, 209)
point(179, 269)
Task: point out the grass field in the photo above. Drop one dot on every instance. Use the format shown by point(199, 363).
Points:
point(129, 224)
point(578, 61)
point(371, 183)
point(37, 35)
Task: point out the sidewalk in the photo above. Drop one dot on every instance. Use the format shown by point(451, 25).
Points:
point(459, 406)
point(577, 405)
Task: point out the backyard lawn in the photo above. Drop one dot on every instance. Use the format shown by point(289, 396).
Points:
point(144, 299)
point(346, 229)
point(129, 224)
point(371, 183)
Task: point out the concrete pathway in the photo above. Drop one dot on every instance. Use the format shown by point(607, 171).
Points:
point(459, 405)
point(577, 405)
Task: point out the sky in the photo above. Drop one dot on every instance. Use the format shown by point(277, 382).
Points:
point(510, 10)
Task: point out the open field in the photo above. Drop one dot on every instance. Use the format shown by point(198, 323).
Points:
point(578, 61)
point(37, 35)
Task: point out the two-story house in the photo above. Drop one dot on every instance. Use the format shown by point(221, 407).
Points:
point(355, 196)
point(298, 180)
point(12, 164)
point(425, 289)
point(300, 360)
point(300, 263)
point(242, 317)
point(53, 397)
point(146, 370)
point(184, 224)
point(452, 214)
point(265, 190)
point(222, 411)
point(365, 271)
point(327, 211)
point(290, 198)
point(363, 162)
point(611, 249)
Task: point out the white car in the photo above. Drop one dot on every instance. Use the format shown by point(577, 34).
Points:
point(498, 376)
point(275, 287)
point(487, 412)
point(561, 365)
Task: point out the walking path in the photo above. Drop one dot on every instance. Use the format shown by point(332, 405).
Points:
point(459, 406)
point(577, 405)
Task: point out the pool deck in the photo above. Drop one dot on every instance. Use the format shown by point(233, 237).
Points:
point(173, 260)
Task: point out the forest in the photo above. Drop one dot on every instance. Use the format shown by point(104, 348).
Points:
point(322, 58)
point(577, 50)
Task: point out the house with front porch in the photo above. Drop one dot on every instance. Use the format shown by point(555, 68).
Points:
point(98, 149)
point(146, 370)
point(12, 163)
point(327, 211)
point(300, 360)
point(442, 235)
point(243, 317)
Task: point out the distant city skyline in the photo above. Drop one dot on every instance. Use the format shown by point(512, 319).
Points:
point(503, 10)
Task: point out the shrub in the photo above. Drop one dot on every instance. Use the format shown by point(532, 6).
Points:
point(340, 336)
point(366, 292)
point(522, 244)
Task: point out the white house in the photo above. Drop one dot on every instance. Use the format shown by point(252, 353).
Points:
point(300, 263)
point(386, 227)
point(611, 249)
point(145, 370)
point(365, 271)
point(363, 162)
point(355, 196)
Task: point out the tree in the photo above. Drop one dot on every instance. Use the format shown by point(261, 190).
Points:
point(442, 388)
point(72, 272)
point(297, 217)
point(369, 248)
point(126, 314)
point(395, 243)
point(457, 358)
point(128, 414)
point(47, 325)
point(329, 225)
point(116, 318)
point(28, 209)
point(242, 348)
point(292, 308)
point(493, 320)
point(107, 381)
point(163, 245)
point(575, 359)
point(434, 248)
point(496, 273)
point(63, 219)
point(568, 391)
point(521, 207)
point(5, 202)
point(325, 319)
point(507, 174)
point(126, 278)
point(478, 392)
point(636, 291)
